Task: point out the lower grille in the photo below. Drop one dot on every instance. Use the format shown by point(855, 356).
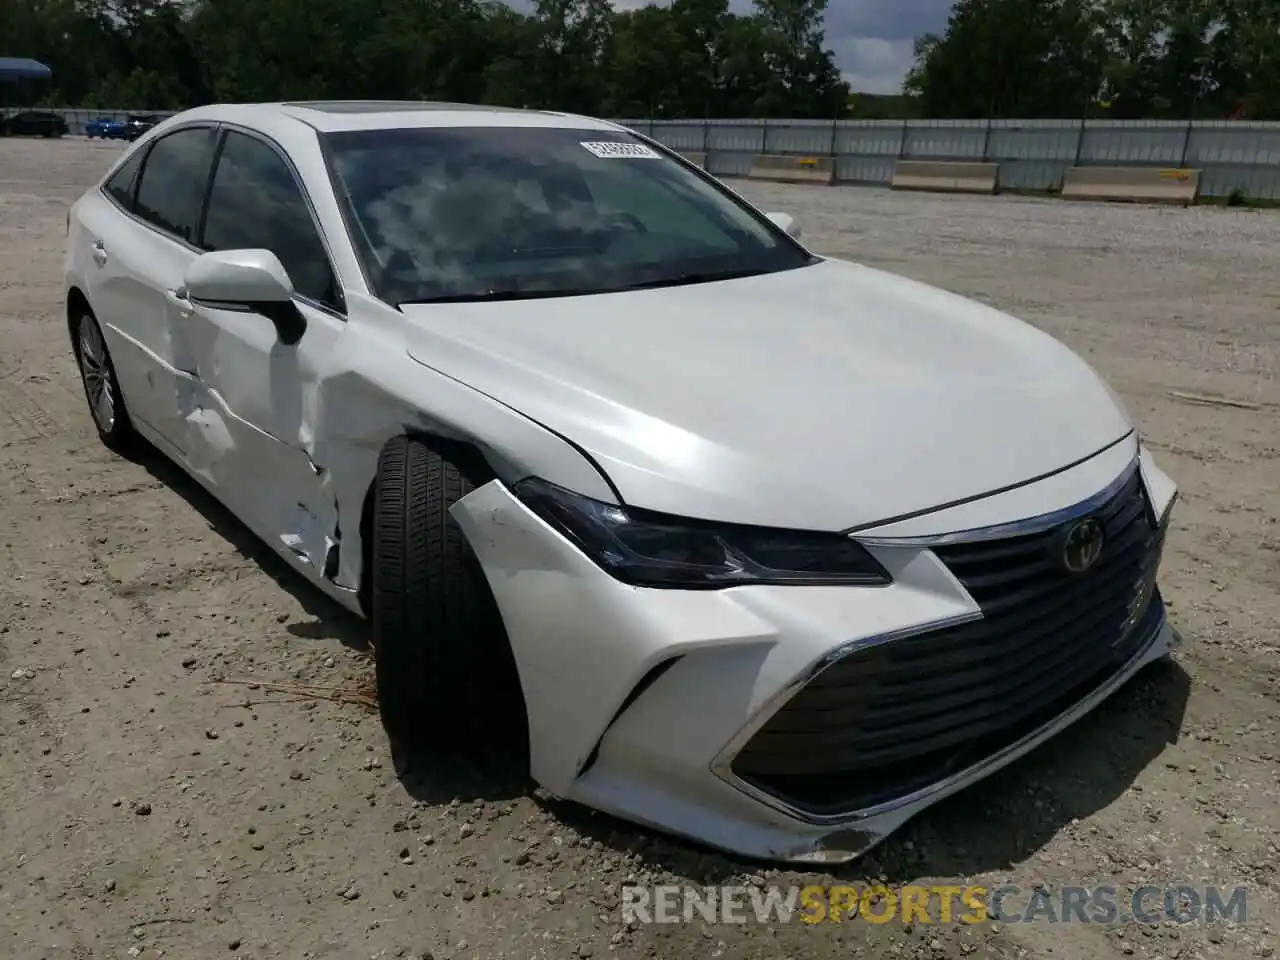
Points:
point(894, 718)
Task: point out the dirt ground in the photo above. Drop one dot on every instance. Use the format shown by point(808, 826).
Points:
point(154, 801)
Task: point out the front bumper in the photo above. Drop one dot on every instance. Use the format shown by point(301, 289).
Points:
point(639, 701)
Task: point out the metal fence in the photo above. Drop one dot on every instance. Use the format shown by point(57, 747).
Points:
point(1236, 156)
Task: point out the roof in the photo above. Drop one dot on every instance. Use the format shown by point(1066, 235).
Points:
point(21, 68)
point(391, 106)
point(330, 116)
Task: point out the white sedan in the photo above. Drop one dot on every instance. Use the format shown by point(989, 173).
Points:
point(762, 548)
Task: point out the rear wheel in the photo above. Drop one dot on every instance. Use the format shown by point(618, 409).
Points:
point(442, 659)
point(101, 387)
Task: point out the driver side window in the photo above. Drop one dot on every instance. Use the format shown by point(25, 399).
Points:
point(256, 203)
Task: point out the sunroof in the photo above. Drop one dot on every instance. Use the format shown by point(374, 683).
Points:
point(386, 106)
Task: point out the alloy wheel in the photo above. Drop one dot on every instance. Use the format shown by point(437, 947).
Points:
point(98, 385)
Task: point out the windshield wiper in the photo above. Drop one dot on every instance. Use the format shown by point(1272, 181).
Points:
point(516, 293)
point(498, 296)
point(696, 276)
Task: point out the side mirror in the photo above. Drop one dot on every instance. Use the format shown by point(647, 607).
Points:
point(251, 280)
point(786, 223)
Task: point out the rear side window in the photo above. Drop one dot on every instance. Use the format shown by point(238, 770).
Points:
point(256, 203)
point(120, 187)
point(174, 177)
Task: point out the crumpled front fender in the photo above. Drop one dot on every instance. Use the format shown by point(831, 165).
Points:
point(581, 639)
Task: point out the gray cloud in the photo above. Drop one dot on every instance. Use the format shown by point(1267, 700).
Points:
point(871, 39)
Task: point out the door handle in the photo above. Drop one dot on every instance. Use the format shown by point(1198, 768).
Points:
point(99, 253)
point(180, 300)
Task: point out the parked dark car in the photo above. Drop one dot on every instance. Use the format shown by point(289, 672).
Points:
point(34, 123)
point(138, 124)
point(107, 129)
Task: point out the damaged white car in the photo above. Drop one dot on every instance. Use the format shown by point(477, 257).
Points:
point(776, 550)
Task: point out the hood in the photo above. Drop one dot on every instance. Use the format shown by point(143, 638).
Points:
point(822, 398)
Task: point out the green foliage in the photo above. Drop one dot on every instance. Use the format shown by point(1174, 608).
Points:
point(688, 58)
point(1118, 58)
point(692, 58)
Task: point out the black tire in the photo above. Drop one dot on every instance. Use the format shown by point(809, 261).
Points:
point(117, 432)
point(442, 658)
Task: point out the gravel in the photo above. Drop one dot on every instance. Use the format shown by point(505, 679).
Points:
point(165, 598)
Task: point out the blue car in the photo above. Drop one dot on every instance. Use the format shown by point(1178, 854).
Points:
point(107, 129)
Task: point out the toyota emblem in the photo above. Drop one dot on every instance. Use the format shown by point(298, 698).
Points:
point(1082, 545)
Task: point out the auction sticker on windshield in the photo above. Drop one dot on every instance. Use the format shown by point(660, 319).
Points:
point(611, 150)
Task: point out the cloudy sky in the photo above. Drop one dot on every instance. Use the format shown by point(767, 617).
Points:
point(871, 38)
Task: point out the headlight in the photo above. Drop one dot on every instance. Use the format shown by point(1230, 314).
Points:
point(654, 550)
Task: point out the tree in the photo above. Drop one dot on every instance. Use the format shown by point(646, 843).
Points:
point(1160, 59)
point(699, 41)
point(1011, 58)
point(1244, 51)
point(922, 53)
point(803, 80)
point(644, 80)
point(689, 58)
point(573, 39)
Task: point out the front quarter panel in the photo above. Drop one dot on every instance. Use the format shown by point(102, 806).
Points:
point(371, 390)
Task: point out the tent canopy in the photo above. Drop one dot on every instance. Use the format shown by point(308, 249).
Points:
point(20, 68)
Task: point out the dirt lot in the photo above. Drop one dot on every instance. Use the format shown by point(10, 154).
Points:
point(150, 806)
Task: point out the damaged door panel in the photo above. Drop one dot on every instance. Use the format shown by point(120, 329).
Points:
point(372, 390)
point(128, 290)
point(147, 241)
point(252, 423)
point(253, 419)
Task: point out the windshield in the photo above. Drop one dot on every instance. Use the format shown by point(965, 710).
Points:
point(463, 213)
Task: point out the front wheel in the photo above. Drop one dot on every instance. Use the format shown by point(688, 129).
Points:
point(442, 658)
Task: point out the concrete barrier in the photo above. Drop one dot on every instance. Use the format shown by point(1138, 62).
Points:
point(1133, 184)
point(787, 169)
point(698, 159)
point(945, 177)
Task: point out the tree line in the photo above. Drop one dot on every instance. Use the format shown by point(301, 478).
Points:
point(686, 59)
point(1128, 59)
point(693, 58)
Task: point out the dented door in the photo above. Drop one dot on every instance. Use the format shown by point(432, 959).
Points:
point(251, 428)
point(140, 243)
